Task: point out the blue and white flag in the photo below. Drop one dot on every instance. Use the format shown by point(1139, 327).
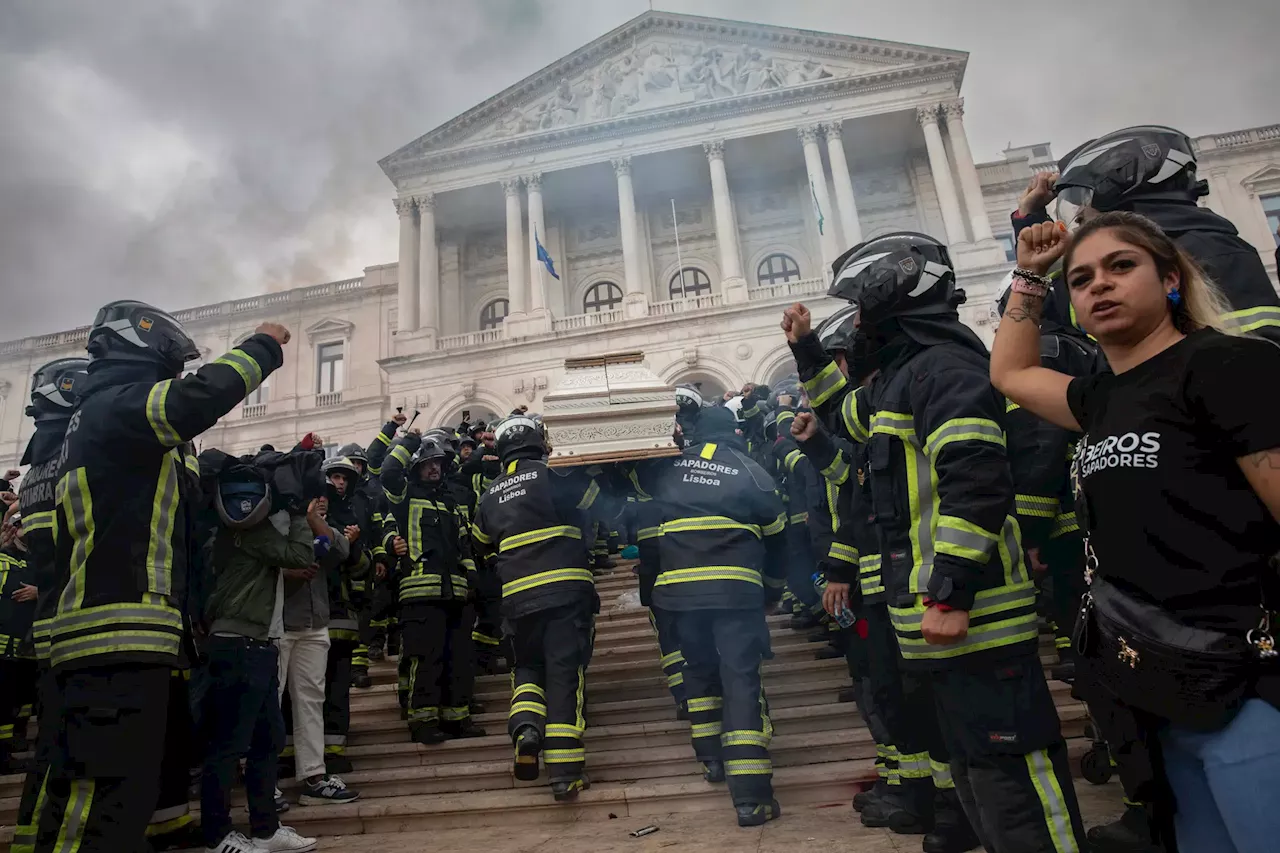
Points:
point(544, 257)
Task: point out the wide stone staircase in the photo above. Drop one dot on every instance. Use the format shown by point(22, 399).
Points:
point(638, 754)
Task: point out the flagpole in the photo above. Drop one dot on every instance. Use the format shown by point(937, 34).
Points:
point(675, 223)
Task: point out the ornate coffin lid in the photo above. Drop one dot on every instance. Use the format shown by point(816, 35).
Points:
point(609, 408)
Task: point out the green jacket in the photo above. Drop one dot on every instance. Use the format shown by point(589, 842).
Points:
point(246, 567)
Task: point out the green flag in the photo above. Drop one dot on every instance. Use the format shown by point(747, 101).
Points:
point(817, 207)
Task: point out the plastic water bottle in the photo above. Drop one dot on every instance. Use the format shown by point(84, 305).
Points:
point(844, 616)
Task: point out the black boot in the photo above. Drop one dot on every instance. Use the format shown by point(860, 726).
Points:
point(896, 809)
point(427, 734)
point(1130, 834)
point(848, 694)
point(862, 799)
point(820, 636)
point(567, 791)
point(713, 771)
point(361, 680)
point(682, 711)
point(829, 653)
point(528, 747)
point(756, 814)
point(803, 621)
point(462, 729)
point(376, 653)
point(952, 832)
point(475, 707)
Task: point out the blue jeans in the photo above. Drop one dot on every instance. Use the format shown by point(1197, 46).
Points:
point(1226, 782)
point(241, 718)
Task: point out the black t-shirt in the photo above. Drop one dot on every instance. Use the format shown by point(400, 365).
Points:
point(1173, 518)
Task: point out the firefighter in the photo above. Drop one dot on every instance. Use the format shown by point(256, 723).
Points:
point(477, 473)
point(378, 629)
point(435, 575)
point(18, 673)
point(54, 391)
point(961, 601)
point(532, 521)
point(367, 504)
point(122, 538)
point(722, 561)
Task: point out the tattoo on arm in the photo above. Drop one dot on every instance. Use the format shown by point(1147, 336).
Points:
point(1265, 459)
point(1020, 313)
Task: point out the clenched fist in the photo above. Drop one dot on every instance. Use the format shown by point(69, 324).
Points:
point(944, 627)
point(400, 418)
point(275, 330)
point(1041, 245)
point(796, 322)
point(804, 426)
point(1038, 194)
point(400, 546)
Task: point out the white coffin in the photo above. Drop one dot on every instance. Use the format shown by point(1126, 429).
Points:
point(609, 408)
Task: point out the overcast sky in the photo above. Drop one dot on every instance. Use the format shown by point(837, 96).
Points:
point(190, 151)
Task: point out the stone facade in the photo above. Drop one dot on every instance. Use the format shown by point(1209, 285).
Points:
point(747, 157)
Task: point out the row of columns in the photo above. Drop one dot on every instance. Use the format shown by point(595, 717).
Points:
point(419, 294)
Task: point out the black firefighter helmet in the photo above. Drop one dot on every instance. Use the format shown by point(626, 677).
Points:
point(128, 330)
point(1148, 161)
point(517, 433)
point(431, 448)
point(53, 387)
point(356, 455)
point(836, 332)
point(898, 275)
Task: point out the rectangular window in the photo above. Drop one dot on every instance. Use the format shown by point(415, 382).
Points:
point(329, 368)
point(1010, 247)
point(1271, 207)
point(259, 395)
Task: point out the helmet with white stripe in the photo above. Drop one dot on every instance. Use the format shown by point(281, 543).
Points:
point(53, 387)
point(1150, 162)
point(517, 433)
point(897, 275)
point(128, 330)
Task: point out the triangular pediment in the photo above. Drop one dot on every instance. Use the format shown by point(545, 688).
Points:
point(330, 327)
point(1266, 176)
point(660, 63)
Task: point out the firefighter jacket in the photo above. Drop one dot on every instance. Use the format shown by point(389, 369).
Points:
point(379, 447)
point(36, 502)
point(723, 531)
point(941, 492)
point(478, 473)
point(647, 515)
point(15, 616)
point(379, 514)
point(347, 580)
point(797, 481)
point(124, 517)
point(429, 517)
point(531, 524)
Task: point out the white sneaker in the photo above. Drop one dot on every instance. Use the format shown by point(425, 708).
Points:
point(286, 840)
point(234, 843)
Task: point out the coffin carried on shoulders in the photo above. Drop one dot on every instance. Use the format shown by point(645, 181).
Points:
point(609, 408)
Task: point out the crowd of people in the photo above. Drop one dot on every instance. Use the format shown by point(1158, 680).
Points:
point(921, 505)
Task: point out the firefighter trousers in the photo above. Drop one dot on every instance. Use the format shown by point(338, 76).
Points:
point(104, 776)
point(723, 651)
point(19, 679)
point(49, 718)
point(548, 684)
point(337, 703)
point(882, 700)
point(1008, 758)
point(487, 634)
point(1065, 558)
point(438, 663)
point(665, 626)
point(376, 614)
point(172, 813)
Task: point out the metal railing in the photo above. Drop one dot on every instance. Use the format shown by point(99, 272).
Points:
point(332, 398)
point(255, 411)
point(470, 339)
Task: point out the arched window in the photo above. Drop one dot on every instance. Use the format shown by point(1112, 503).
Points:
point(690, 281)
point(492, 315)
point(601, 296)
point(777, 269)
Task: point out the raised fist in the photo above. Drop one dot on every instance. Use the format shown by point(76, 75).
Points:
point(400, 419)
point(796, 322)
point(804, 426)
point(275, 330)
point(1041, 245)
point(1038, 194)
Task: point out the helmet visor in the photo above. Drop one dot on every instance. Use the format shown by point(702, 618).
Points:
point(1074, 206)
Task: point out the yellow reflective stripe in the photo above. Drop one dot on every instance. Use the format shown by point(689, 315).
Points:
point(708, 522)
point(922, 495)
point(800, 518)
point(898, 424)
point(244, 364)
point(705, 703)
point(825, 384)
point(192, 463)
point(542, 535)
point(38, 521)
point(589, 498)
point(164, 506)
point(941, 774)
point(709, 573)
point(792, 459)
point(564, 730)
point(76, 816)
point(401, 454)
point(853, 419)
point(673, 658)
point(838, 471)
point(1056, 817)
point(708, 450)
point(1251, 319)
point(480, 536)
point(77, 503)
point(963, 429)
point(745, 737)
point(564, 756)
point(914, 765)
point(529, 687)
point(778, 525)
point(165, 433)
point(843, 553)
point(1063, 524)
point(1035, 506)
point(675, 680)
point(381, 436)
point(711, 729)
point(542, 578)
point(782, 417)
point(648, 533)
point(1010, 406)
point(748, 766)
point(511, 466)
point(531, 707)
point(964, 539)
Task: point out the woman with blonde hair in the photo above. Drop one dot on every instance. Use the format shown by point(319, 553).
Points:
point(1178, 492)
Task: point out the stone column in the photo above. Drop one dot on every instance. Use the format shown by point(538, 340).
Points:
point(942, 182)
point(818, 195)
point(979, 224)
point(537, 231)
point(428, 266)
point(636, 300)
point(516, 282)
point(850, 228)
point(407, 275)
point(733, 285)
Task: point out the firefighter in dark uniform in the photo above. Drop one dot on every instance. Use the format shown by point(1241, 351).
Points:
point(478, 472)
point(378, 631)
point(435, 577)
point(961, 601)
point(367, 505)
point(122, 540)
point(532, 522)
point(18, 672)
point(54, 391)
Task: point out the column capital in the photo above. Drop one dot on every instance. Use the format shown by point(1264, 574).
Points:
point(533, 182)
point(714, 149)
point(426, 201)
point(510, 187)
point(927, 115)
point(404, 205)
point(621, 165)
point(954, 109)
point(808, 133)
point(833, 129)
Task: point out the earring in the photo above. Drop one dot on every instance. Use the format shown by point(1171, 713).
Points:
point(1174, 297)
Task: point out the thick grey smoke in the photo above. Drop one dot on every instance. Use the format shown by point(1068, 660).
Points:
point(189, 151)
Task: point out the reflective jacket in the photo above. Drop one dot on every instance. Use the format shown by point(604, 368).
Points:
point(36, 502)
point(532, 522)
point(15, 616)
point(723, 544)
point(941, 492)
point(123, 517)
point(347, 579)
point(432, 521)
